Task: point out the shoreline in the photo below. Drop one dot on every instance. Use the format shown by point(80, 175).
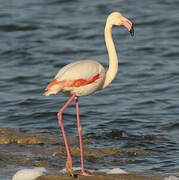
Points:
point(27, 150)
point(98, 177)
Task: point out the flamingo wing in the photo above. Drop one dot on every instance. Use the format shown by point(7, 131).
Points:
point(76, 75)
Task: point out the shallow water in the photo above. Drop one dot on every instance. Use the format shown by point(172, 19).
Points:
point(138, 110)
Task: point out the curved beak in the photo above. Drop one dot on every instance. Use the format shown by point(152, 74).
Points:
point(128, 24)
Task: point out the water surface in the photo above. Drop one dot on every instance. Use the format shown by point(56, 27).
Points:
point(38, 38)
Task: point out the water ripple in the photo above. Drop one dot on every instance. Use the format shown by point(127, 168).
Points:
point(14, 28)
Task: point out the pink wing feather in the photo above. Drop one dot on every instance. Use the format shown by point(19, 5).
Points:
point(76, 74)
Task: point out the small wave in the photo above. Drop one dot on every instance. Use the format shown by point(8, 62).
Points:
point(12, 28)
point(172, 127)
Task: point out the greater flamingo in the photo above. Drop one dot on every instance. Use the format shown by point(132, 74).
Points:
point(84, 77)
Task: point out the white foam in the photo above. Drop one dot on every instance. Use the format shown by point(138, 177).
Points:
point(29, 174)
point(63, 171)
point(171, 178)
point(113, 171)
point(107, 171)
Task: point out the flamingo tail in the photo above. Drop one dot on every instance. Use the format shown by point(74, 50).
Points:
point(54, 87)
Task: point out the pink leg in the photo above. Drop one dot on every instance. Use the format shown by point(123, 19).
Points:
point(59, 116)
point(80, 138)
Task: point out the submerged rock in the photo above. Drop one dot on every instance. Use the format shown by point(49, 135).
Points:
point(28, 174)
point(15, 136)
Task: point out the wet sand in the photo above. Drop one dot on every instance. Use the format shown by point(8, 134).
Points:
point(38, 144)
point(99, 177)
point(39, 150)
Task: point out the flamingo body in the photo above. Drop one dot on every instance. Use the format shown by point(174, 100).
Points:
point(84, 77)
point(81, 77)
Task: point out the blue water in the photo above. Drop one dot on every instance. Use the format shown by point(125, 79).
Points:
point(39, 37)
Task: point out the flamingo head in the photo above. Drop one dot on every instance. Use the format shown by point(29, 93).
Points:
point(118, 19)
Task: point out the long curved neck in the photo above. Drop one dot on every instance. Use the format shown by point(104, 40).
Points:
point(113, 59)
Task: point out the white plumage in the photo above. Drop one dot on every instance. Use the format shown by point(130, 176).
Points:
point(84, 69)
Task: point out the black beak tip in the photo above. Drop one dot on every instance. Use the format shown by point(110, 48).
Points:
point(132, 30)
